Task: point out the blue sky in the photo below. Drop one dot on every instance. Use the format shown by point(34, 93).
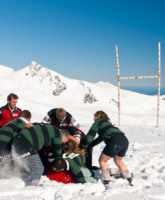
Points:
point(77, 37)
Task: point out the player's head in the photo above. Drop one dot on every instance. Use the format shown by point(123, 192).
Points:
point(12, 100)
point(26, 114)
point(72, 147)
point(100, 115)
point(60, 113)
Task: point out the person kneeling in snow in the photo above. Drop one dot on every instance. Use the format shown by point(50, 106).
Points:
point(29, 142)
point(10, 130)
point(116, 146)
point(74, 162)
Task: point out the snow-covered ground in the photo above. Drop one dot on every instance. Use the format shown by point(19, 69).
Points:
point(41, 89)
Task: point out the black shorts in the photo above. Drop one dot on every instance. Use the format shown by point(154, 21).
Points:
point(116, 146)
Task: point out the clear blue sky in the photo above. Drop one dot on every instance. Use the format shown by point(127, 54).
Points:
point(77, 37)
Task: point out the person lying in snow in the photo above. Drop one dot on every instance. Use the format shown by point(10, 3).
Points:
point(77, 137)
point(10, 130)
point(116, 146)
point(73, 161)
point(60, 118)
point(29, 142)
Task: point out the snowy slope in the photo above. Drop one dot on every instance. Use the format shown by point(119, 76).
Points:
point(5, 71)
point(41, 89)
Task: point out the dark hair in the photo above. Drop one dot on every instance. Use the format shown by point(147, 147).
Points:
point(26, 114)
point(101, 115)
point(12, 96)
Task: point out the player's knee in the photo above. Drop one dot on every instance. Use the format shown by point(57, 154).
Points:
point(118, 161)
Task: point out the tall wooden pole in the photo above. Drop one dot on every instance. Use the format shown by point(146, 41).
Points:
point(117, 65)
point(158, 85)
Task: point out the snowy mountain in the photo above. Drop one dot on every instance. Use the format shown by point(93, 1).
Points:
point(42, 86)
point(41, 89)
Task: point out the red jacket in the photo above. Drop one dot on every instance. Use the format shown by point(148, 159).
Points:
point(7, 115)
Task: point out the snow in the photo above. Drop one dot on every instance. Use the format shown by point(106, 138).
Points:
point(146, 156)
point(5, 71)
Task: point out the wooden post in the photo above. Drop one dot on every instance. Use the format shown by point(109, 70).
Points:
point(158, 84)
point(117, 65)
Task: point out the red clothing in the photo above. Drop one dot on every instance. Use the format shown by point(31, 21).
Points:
point(61, 176)
point(7, 114)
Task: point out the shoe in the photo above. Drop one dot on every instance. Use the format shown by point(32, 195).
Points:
point(130, 180)
point(107, 185)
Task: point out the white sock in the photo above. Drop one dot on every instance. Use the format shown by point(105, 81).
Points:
point(126, 174)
